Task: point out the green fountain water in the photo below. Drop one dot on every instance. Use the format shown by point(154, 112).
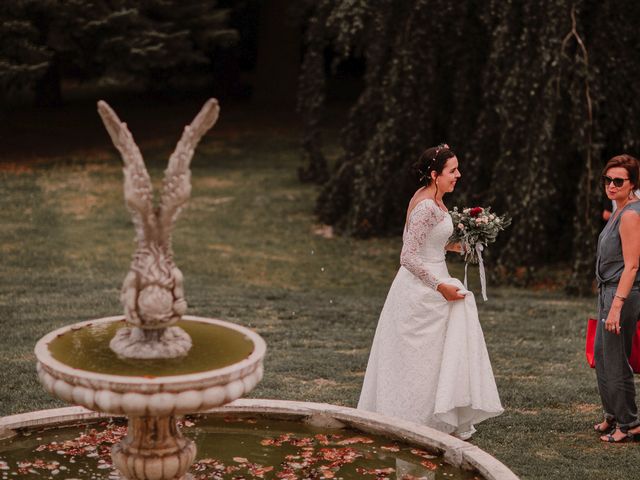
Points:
point(214, 347)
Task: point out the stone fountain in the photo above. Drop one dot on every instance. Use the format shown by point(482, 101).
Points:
point(153, 363)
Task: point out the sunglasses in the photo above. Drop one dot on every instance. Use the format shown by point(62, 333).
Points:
point(617, 182)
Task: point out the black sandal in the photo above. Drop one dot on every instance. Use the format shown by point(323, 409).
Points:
point(628, 437)
point(635, 437)
point(604, 431)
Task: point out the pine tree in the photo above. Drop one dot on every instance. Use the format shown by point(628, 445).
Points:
point(23, 57)
point(157, 43)
point(184, 37)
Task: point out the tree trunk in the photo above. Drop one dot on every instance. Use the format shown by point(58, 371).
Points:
point(279, 52)
point(311, 99)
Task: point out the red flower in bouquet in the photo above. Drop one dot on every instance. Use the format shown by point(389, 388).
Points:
point(475, 211)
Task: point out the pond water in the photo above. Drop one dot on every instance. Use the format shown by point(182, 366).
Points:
point(214, 347)
point(230, 448)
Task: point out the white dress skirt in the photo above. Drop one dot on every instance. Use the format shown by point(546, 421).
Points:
point(429, 362)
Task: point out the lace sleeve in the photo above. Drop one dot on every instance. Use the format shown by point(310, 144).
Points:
point(419, 228)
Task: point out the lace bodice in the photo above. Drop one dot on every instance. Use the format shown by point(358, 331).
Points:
point(427, 231)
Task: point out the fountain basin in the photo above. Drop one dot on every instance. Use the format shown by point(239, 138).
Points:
point(151, 388)
point(471, 461)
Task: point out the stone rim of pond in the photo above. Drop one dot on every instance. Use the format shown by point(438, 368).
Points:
point(456, 452)
point(139, 395)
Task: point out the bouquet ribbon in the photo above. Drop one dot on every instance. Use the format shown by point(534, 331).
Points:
point(483, 278)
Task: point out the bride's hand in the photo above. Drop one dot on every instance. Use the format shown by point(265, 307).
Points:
point(450, 292)
point(454, 247)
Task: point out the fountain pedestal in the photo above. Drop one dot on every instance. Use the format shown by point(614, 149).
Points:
point(154, 449)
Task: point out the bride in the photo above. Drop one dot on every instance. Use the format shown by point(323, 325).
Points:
point(429, 363)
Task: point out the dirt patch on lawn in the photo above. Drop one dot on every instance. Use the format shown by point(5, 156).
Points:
point(586, 407)
point(212, 182)
point(77, 191)
point(17, 168)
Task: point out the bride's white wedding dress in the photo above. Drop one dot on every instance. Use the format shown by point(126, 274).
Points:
point(429, 362)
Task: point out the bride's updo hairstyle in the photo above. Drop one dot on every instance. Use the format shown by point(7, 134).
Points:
point(432, 160)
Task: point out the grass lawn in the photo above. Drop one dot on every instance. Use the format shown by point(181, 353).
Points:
point(251, 253)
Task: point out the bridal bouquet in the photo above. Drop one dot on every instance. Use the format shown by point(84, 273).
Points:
point(475, 228)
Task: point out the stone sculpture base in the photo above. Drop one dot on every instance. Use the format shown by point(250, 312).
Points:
point(134, 342)
point(154, 449)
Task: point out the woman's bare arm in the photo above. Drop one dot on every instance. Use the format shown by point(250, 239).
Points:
point(630, 236)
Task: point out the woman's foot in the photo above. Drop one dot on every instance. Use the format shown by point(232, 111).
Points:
point(618, 436)
point(605, 426)
point(634, 433)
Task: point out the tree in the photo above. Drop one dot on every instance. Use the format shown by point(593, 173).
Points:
point(23, 59)
point(532, 99)
point(184, 36)
point(155, 43)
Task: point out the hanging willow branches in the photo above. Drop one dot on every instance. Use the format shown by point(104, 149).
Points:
point(533, 98)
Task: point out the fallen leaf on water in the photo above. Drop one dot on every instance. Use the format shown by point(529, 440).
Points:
point(352, 440)
point(260, 471)
point(422, 453)
point(390, 448)
point(327, 472)
point(302, 442)
point(378, 472)
point(428, 465)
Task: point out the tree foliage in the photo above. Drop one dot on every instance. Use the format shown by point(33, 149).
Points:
point(533, 98)
point(22, 56)
point(156, 43)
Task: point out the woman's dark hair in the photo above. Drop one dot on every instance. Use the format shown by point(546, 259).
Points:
point(629, 163)
point(432, 160)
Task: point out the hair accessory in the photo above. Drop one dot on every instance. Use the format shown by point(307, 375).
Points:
point(431, 161)
point(439, 148)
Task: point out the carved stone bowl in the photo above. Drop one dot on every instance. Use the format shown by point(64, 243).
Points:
point(154, 448)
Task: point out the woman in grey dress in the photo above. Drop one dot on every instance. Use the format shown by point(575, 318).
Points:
point(618, 279)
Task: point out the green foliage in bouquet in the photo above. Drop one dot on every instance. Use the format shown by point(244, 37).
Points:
point(477, 225)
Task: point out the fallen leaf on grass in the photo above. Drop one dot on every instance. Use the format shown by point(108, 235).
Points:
point(325, 231)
